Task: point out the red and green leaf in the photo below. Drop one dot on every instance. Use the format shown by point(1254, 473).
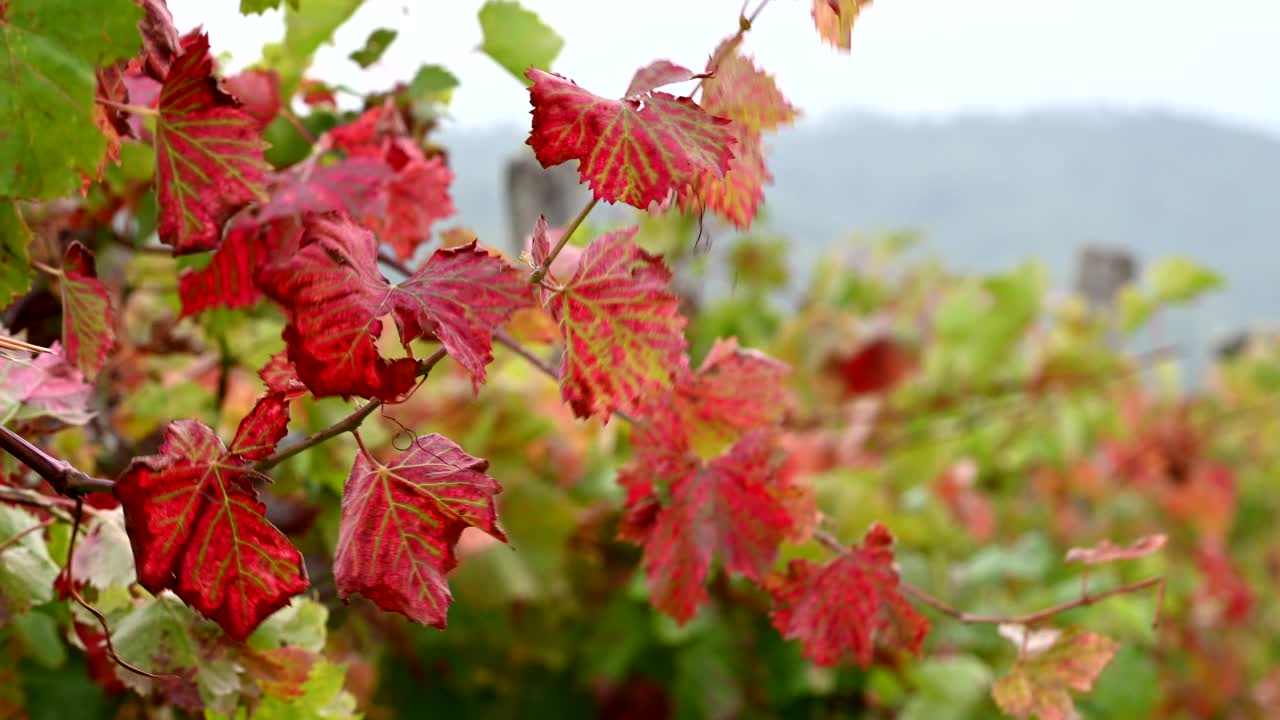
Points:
point(401, 523)
point(1107, 551)
point(281, 377)
point(745, 94)
point(1041, 682)
point(334, 296)
point(834, 20)
point(735, 196)
point(355, 186)
point(209, 160)
point(637, 151)
point(198, 529)
point(258, 91)
point(227, 281)
point(849, 606)
point(88, 314)
point(622, 330)
point(732, 509)
point(657, 74)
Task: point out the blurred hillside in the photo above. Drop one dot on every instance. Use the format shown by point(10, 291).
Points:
point(991, 191)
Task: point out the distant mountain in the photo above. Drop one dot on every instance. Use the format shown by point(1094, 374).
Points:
point(991, 191)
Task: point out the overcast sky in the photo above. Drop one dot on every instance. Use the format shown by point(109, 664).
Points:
point(910, 57)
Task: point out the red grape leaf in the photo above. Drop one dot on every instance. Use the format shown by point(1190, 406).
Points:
point(1106, 551)
point(622, 329)
point(88, 315)
point(635, 151)
point(401, 522)
point(258, 91)
point(198, 529)
point(417, 193)
point(227, 281)
point(160, 41)
point(209, 160)
point(1040, 683)
point(1224, 590)
point(745, 94)
point(260, 430)
point(876, 367)
point(730, 508)
point(834, 20)
point(417, 196)
point(655, 75)
point(281, 377)
point(334, 295)
point(356, 186)
point(736, 195)
point(847, 606)
point(734, 391)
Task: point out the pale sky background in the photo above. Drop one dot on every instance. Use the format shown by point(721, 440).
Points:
point(917, 58)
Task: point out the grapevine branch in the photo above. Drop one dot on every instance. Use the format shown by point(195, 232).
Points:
point(1086, 599)
point(347, 424)
point(102, 620)
point(64, 478)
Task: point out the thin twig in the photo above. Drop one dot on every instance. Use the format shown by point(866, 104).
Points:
point(293, 120)
point(8, 343)
point(45, 268)
point(64, 478)
point(102, 620)
point(541, 272)
point(394, 263)
point(52, 504)
point(346, 424)
point(833, 544)
point(23, 533)
point(133, 109)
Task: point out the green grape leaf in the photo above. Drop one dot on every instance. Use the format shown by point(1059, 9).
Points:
point(26, 570)
point(517, 39)
point(15, 268)
point(307, 26)
point(48, 52)
point(374, 46)
point(1178, 279)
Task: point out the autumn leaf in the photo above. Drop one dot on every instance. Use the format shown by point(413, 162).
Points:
point(414, 196)
point(655, 75)
point(735, 196)
point(848, 606)
point(730, 509)
point(401, 523)
point(876, 367)
point(1106, 551)
point(1042, 679)
point(88, 315)
point(281, 377)
point(834, 20)
point(227, 281)
point(334, 295)
point(734, 391)
point(258, 91)
point(356, 186)
point(745, 94)
point(197, 526)
point(44, 393)
point(635, 151)
point(160, 41)
point(209, 160)
point(622, 330)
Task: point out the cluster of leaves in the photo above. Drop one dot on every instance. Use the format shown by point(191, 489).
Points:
point(204, 580)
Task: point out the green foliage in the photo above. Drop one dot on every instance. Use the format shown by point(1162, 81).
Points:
point(306, 28)
point(48, 52)
point(374, 46)
point(516, 39)
point(15, 279)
